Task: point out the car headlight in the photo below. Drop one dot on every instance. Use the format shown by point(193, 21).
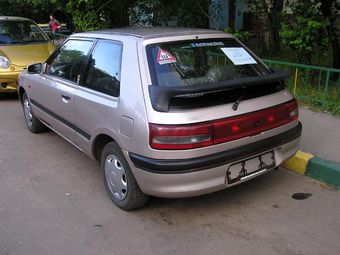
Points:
point(4, 62)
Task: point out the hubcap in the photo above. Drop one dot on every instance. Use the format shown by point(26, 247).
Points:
point(116, 177)
point(28, 112)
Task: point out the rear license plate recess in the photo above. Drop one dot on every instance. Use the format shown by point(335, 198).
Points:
point(240, 170)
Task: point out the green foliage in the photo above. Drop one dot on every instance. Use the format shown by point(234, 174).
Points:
point(98, 14)
point(243, 36)
point(192, 13)
point(86, 21)
point(307, 34)
point(85, 14)
point(37, 10)
point(170, 13)
point(141, 13)
point(312, 85)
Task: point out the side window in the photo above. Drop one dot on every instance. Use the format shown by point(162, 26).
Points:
point(103, 74)
point(70, 60)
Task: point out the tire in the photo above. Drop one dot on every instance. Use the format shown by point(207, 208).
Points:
point(32, 123)
point(119, 181)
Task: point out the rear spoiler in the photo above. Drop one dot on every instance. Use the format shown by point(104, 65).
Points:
point(161, 96)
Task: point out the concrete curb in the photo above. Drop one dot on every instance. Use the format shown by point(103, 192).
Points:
point(314, 167)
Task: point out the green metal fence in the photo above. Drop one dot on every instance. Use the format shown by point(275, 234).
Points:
point(315, 84)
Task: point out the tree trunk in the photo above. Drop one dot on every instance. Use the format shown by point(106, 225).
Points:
point(327, 11)
point(275, 24)
point(336, 52)
point(270, 23)
point(118, 12)
point(264, 23)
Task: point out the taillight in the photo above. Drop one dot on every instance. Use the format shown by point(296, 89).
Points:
point(179, 137)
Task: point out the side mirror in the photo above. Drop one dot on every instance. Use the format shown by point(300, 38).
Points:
point(35, 68)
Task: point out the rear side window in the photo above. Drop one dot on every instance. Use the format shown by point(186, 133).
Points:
point(70, 60)
point(103, 73)
point(188, 63)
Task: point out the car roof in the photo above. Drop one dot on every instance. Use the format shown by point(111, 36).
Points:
point(151, 32)
point(14, 18)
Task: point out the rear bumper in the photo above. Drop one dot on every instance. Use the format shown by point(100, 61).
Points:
point(195, 164)
point(197, 176)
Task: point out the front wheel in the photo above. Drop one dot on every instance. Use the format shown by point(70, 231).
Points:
point(33, 123)
point(119, 181)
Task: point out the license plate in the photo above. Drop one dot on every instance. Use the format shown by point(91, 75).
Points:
point(238, 171)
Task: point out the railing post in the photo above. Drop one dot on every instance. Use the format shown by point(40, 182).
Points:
point(338, 88)
point(306, 77)
point(326, 83)
point(320, 73)
point(295, 80)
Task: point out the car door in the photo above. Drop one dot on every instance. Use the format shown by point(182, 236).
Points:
point(97, 97)
point(53, 91)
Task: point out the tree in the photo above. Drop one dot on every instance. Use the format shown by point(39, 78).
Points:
point(176, 12)
point(38, 10)
point(314, 29)
point(98, 14)
point(306, 34)
point(267, 13)
point(329, 10)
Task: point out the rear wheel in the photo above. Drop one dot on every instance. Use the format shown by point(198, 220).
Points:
point(33, 124)
point(119, 181)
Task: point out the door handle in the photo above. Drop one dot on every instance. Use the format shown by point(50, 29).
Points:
point(65, 98)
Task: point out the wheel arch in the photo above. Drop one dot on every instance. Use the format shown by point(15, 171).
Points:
point(99, 143)
point(21, 92)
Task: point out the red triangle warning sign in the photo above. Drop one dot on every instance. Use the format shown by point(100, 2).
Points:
point(165, 57)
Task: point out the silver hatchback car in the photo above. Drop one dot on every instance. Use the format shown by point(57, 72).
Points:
point(167, 112)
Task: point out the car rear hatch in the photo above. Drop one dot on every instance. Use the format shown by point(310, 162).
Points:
point(209, 92)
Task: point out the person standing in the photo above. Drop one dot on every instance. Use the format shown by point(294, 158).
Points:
point(54, 24)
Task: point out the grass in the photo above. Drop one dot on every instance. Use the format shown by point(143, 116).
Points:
point(317, 99)
point(311, 89)
point(288, 55)
point(330, 108)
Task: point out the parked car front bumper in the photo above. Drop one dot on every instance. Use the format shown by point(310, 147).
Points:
point(8, 81)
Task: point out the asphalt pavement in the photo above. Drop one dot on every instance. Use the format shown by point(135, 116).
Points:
point(320, 134)
point(53, 201)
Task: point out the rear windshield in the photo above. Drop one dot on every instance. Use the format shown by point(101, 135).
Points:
point(188, 63)
point(20, 32)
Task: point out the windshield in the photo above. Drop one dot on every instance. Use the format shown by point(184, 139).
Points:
point(188, 63)
point(20, 32)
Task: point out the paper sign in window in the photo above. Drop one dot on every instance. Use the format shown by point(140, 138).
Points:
point(239, 56)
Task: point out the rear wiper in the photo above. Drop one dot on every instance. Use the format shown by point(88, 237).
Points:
point(238, 101)
point(161, 96)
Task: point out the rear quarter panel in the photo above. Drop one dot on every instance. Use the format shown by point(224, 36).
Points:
point(122, 118)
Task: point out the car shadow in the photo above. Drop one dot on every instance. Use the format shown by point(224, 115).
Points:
point(8, 96)
point(226, 200)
